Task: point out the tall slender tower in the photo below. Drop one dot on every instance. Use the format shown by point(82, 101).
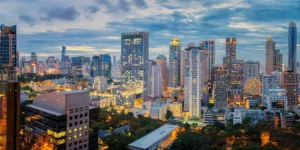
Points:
point(161, 61)
point(134, 61)
point(210, 47)
point(63, 53)
point(230, 56)
point(292, 46)
point(174, 63)
point(192, 83)
point(182, 55)
point(270, 48)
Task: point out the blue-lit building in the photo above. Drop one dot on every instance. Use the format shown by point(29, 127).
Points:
point(174, 63)
point(134, 61)
point(105, 65)
point(292, 46)
point(95, 66)
point(63, 53)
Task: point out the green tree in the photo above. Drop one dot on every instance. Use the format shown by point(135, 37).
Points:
point(169, 114)
point(187, 126)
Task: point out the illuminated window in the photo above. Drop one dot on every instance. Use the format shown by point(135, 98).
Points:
point(75, 136)
point(80, 134)
point(85, 127)
point(81, 109)
point(70, 131)
point(71, 110)
point(75, 130)
point(70, 138)
point(80, 128)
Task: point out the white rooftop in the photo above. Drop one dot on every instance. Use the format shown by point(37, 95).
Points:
point(153, 137)
point(45, 110)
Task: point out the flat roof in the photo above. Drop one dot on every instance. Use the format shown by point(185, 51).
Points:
point(153, 137)
point(44, 110)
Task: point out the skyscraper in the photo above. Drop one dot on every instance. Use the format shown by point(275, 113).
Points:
point(105, 65)
point(251, 69)
point(174, 63)
point(33, 57)
point(9, 91)
point(161, 61)
point(114, 60)
point(292, 37)
point(192, 83)
point(230, 55)
point(182, 58)
point(63, 53)
point(290, 83)
point(270, 48)
point(95, 66)
point(155, 82)
point(268, 82)
point(277, 60)
point(237, 82)
point(134, 61)
point(210, 47)
point(220, 88)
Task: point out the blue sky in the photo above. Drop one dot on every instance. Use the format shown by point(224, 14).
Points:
point(91, 27)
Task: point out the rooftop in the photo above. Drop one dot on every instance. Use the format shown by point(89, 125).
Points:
point(153, 137)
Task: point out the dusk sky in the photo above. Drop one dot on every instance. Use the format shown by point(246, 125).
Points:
point(91, 27)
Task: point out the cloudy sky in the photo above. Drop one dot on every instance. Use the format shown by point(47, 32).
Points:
point(91, 27)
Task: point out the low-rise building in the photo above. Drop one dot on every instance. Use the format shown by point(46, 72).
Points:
point(252, 103)
point(176, 109)
point(276, 99)
point(158, 111)
point(103, 102)
point(100, 83)
point(161, 137)
point(211, 117)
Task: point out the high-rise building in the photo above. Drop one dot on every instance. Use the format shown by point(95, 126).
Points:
point(59, 120)
point(211, 55)
point(251, 69)
point(220, 88)
point(105, 65)
point(252, 86)
point(192, 83)
point(63, 53)
point(277, 60)
point(161, 61)
point(292, 45)
point(278, 76)
point(116, 71)
point(155, 82)
point(290, 83)
point(134, 61)
point(182, 56)
point(9, 90)
point(270, 48)
point(230, 55)
point(174, 63)
point(114, 60)
point(95, 66)
point(78, 63)
point(236, 87)
point(34, 57)
point(268, 82)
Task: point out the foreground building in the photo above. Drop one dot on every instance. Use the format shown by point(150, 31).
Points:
point(134, 61)
point(192, 83)
point(161, 137)
point(59, 120)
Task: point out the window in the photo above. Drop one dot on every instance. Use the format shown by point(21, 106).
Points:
point(84, 145)
point(86, 108)
point(70, 144)
point(75, 148)
point(70, 124)
point(75, 123)
point(81, 109)
point(75, 130)
point(80, 135)
point(70, 131)
point(85, 133)
point(75, 136)
point(80, 122)
point(80, 128)
point(85, 127)
point(80, 141)
point(70, 138)
point(70, 110)
point(85, 139)
point(85, 114)
point(85, 121)
point(76, 116)
point(75, 142)
point(70, 118)
point(81, 115)
point(76, 109)
point(80, 147)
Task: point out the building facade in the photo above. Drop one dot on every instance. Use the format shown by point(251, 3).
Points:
point(270, 48)
point(210, 46)
point(105, 65)
point(290, 83)
point(174, 63)
point(134, 61)
point(277, 99)
point(251, 69)
point(292, 43)
point(95, 66)
point(268, 82)
point(192, 83)
point(161, 61)
point(78, 63)
point(220, 88)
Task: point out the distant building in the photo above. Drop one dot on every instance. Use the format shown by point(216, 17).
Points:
point(253, 86)
point(78, 63)
point(290, 83)
point(158, 111)
point(100, 83)
point(95, 66)
point(292, 43)
point(174, 63)
point(161, 61)
point(236, 87)
point(176, 109)
point(278, 76)
point(155, 83)
point(210, 46)
point(270, 48)
point(69, 115)
point(230, 56)
point(251, 69)
point(276, 99)
point(103, 102)
point(277, 60)
point(182, 56)
point(220, 88)
point(268, 82)
point(105, 65)
point(211, 117)
point(252, 103)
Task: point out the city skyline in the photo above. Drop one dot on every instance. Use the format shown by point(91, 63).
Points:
point(94, 27)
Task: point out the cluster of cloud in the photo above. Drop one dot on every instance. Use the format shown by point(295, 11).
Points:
point(94, 26)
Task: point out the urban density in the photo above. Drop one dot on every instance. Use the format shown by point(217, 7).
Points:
point(184, 96)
